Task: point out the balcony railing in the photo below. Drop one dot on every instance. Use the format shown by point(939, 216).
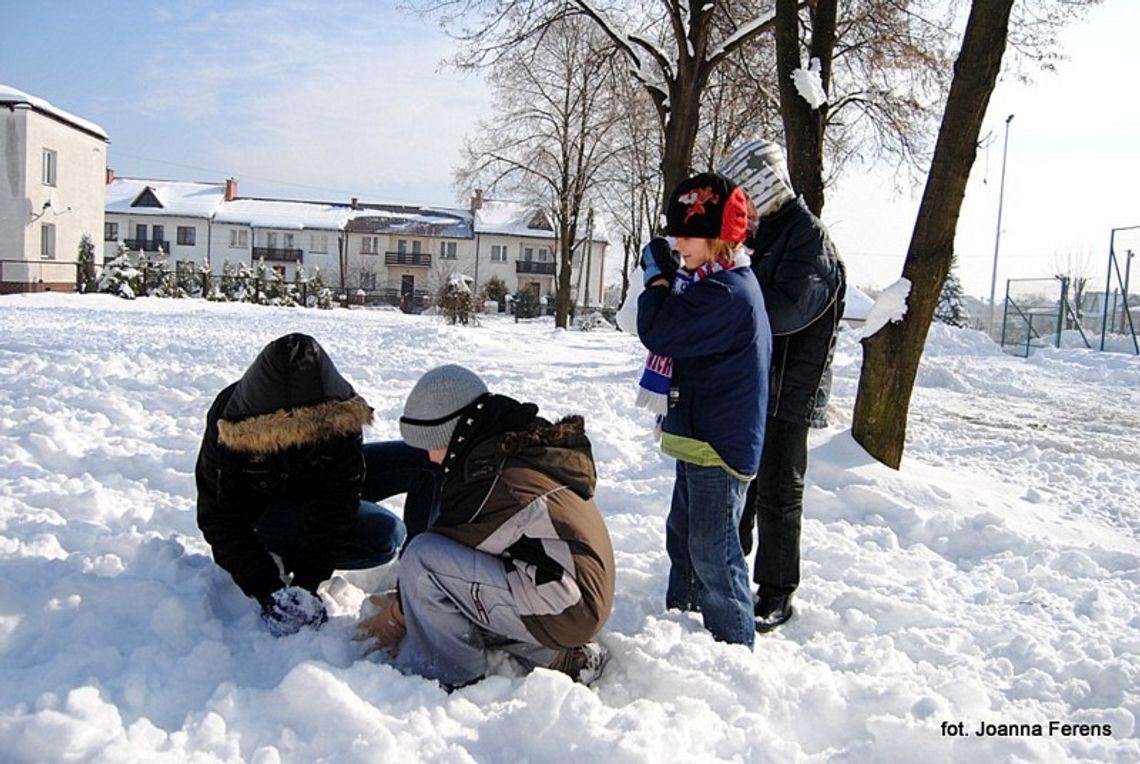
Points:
point(413, 259)
point(147, 245)
point(534, 266)
point(277, 253)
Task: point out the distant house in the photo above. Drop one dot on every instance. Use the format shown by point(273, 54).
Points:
point(403, 252)
point(162, 216)
point(286, 235)
point(50, 194)
point(517, 243)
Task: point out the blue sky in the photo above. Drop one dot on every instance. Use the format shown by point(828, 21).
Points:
point(346, 98)
point(299, 99)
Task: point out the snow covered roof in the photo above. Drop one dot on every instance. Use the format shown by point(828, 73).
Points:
point(421, 221)
point(10, 95)
point(274, 213)
point(516, 219)
point(137, 196)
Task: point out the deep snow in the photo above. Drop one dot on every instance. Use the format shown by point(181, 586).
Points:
point(993, 579)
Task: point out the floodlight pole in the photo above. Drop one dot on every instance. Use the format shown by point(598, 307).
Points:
point(997, 234)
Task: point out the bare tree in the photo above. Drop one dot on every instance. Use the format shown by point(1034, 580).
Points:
point(632, 177)
point(883, 66)
point(891, 355)
point(551, 133)
point(672, 49)
point(1073, 268)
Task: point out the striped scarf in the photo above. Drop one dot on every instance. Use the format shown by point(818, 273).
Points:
point(653, 387)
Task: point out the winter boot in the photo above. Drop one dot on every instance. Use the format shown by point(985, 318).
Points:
point(583, 664)
point(772, 611)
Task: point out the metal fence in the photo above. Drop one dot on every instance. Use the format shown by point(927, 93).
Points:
point(1041, 312)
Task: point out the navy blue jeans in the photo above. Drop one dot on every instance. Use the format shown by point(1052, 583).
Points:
point(376, 535)
point(708, 571)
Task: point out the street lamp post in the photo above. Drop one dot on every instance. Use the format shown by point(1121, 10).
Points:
point(997, 234)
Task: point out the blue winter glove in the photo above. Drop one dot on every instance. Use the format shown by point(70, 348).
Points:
point(658, 260)
point(288, 610)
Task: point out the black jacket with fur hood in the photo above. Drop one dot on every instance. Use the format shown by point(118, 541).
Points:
point(289, 430)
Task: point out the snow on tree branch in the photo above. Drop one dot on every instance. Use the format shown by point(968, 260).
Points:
point(889, 308)
point(809, 84)
point(742, 35)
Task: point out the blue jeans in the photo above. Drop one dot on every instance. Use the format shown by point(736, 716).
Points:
point(376, 535)
point(393, 467)
point(708, 571)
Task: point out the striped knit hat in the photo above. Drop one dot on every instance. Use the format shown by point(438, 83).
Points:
point(760, 169)
point(435, 403)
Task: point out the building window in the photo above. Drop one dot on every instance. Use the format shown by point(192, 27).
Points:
point(239, 237)
point(187, 235)
point(110, 232)
point(402, 246)
point(47, 241)
point(543, 255)
point(50, 161)
point(271, 239)
point(370, 245)
point(318, 242)
point(447, 250)
point(498, 253)
point(287, 240)
point(528, 254)
point(417, 247)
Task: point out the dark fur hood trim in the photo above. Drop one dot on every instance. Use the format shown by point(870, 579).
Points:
point(287, 428)
point(561, 450)
point(567, 432)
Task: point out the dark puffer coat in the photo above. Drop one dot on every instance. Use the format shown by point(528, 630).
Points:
point(804, 282)
point(289, 430)
point(521, 488)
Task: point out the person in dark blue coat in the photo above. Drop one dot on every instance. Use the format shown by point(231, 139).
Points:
point(804, 283)
point(703, 320)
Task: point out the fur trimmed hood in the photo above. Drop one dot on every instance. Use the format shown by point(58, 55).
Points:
point(287, 428)
point(291, 395)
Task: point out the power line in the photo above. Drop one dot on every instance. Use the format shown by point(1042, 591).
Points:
point(214, 171)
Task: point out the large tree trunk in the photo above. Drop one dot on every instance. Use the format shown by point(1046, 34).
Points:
point(803, 125)
point(567, 232)
point(891, 355)
point(681, 124)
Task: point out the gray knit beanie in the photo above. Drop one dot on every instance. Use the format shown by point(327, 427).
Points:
point(760, 169)
point(432, 409)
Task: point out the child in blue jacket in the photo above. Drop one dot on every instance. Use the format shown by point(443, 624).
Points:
point(704, 323)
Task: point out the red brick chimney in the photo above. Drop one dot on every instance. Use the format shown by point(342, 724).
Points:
point(355, 203)
point(477, 199)
point(231, 189)
point(110, 175)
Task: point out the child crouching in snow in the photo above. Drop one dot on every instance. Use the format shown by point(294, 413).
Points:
point(519, 558)
point(704, 323)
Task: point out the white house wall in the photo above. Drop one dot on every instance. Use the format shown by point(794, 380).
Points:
point(15, 206)
point(76, 200)
point(127, 223)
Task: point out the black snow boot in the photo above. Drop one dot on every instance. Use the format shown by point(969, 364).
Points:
point(772, 611)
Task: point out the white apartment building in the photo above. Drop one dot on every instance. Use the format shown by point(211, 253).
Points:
point(51, 194)
point(162, 218)
point(287, 235)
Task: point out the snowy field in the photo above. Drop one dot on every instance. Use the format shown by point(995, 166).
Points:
point(994, 580)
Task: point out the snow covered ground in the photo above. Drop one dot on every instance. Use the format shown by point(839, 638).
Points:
point(995, 579)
